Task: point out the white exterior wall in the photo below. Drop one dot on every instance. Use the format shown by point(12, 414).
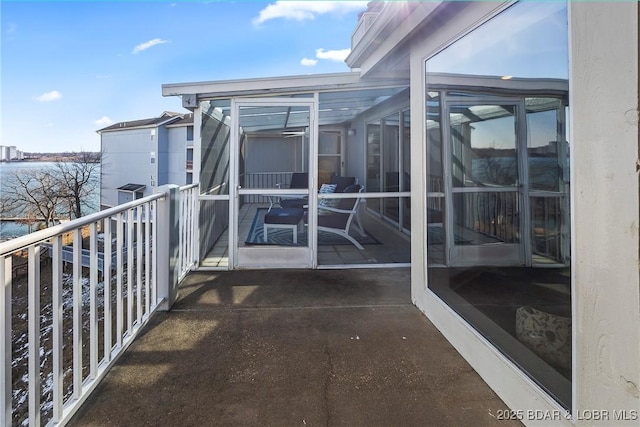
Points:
point(604, 131)
point(126, 158)
point(605, 289)
point(176, 156)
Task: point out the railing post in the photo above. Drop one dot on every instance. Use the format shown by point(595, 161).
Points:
point(167, 243)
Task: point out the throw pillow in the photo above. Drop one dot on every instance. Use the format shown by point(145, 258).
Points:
point(327, 203)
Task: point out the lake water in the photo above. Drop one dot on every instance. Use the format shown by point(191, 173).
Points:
point(10, 229)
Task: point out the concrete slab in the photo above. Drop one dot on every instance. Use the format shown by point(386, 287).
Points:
point(292, 347)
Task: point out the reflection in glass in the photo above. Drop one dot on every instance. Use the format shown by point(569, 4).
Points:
point(435, 182)
point(544, 131)
point(374, 142)
point(483, 145)
point(529, 39)
point(498, 224)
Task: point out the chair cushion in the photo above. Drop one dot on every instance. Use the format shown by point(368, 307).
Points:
point(342, 182)
point(334, 220)
point(294, 203)
point(283, 216)
point(353, 188)
point(299, 180)
point(347, 204)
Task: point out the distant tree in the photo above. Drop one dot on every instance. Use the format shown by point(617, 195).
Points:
point(78, 179)
point(33, 193)
point(29, 219)
point(63, 190)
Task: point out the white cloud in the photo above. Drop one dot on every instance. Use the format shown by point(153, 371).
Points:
point(306, 10)
point(54, 95)
point(307, 62)
point(333, 55)
point(104, 121)
point(146, 45)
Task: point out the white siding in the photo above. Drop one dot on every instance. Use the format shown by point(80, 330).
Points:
point(175, 154)
point(604, 117)
point(126, 158)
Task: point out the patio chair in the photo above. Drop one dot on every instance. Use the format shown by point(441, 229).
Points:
point(341, 182)
point(338, 220)
point(298, 180)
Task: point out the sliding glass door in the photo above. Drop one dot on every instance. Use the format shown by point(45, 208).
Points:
point(487, 216)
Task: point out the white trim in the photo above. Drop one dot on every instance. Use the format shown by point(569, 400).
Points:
point(279, 86)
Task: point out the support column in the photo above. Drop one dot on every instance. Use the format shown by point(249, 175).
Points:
point(168, 236)
point(603, 104)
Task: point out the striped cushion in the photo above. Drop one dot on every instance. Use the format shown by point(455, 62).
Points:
point(328, 203)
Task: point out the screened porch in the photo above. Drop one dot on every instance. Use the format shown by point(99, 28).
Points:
point(331, 162)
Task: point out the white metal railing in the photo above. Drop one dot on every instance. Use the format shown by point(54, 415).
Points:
point(188, 226)
point(74, 296)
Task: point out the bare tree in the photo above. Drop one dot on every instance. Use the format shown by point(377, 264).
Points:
point(78, 181)
point(33, 193)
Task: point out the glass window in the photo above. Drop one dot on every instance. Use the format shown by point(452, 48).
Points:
point(498, 222)
point(329, 155)
point(215, 134)
point(374, 142)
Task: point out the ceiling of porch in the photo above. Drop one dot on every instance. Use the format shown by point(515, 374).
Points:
point(335, 108)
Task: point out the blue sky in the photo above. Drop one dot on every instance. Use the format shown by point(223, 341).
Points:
point(71, 68)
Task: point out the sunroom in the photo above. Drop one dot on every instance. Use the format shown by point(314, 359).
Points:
point(279, 159)
point(302, 172)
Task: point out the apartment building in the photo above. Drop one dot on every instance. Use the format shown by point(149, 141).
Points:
point(140, 155)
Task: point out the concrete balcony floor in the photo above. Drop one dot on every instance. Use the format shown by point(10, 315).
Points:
point(292, 347)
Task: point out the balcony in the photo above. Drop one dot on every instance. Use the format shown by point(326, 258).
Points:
point(273, 347)
point(189, 165)
point(292, 347)
point(76, 295)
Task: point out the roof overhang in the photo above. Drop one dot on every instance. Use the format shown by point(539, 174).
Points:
point(498, 84)
point(132, 187)
point(383, 46)
point(124, 126)
point(384, 49)
point(284, 85)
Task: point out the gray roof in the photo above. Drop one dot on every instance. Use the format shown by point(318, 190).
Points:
point(185, 120)
point(132, 187)
point(166, 117)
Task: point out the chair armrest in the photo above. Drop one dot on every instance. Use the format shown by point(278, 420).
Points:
point(336, 210)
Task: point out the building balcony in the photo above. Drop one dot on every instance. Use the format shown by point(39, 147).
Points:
point(189, 165)
point(273, 347)
point(286, 347)
point(364, 23)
